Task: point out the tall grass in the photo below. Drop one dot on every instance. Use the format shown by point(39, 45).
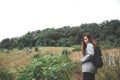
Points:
point(111, 68)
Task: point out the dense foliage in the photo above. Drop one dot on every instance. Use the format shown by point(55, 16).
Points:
point(107, 33)
point(5, 74)
point(48, 67)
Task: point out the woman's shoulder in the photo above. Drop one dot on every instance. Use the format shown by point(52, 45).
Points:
point(89, 45)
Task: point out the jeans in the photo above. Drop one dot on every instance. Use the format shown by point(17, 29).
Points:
point(88, 76)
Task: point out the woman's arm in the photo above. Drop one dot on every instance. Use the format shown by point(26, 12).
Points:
point(90, 53)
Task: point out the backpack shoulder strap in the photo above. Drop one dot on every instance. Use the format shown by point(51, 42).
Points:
point(98, 51)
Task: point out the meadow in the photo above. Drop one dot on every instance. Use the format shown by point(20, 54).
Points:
point(13, 62)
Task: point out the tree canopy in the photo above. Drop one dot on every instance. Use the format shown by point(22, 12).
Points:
point(106, 33)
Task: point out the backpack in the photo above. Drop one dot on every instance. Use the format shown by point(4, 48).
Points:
point(97, 59)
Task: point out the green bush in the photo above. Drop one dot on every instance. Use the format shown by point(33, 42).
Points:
point(76, 48)
point(48, 67)
point(36, 55)
point(65, 51)
point(5, 74)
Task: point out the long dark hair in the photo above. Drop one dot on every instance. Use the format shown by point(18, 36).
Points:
point(91, 40)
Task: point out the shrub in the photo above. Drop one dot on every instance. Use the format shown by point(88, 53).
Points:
point(48, 67)
point(36, 55)
point(5, 74)
point(76, 48)
point(36, 49)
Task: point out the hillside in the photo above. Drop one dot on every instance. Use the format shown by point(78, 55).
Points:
point(106, 33)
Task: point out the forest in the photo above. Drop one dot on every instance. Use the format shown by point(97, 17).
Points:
point(106, 34)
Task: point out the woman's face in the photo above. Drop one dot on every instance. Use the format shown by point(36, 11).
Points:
point(86, 40)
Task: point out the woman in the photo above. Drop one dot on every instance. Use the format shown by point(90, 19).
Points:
point(88, 45)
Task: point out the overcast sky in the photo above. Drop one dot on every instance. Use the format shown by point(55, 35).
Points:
point(17, 17)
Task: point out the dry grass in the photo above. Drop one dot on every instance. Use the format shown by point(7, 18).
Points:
point(56, 50)
point(15, 59)
point(75, 56)
point(19, 58)
point(110, 51)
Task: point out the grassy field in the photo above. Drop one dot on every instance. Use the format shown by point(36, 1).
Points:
point(15, 59)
